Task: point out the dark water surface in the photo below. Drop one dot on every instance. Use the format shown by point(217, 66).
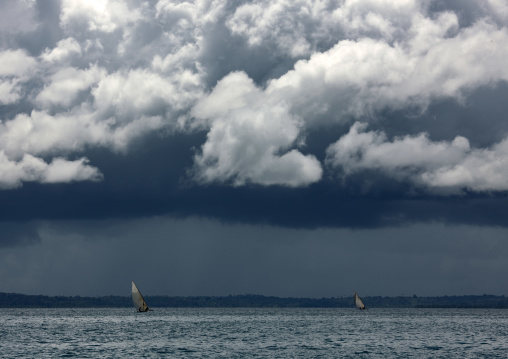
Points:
point(254, 333)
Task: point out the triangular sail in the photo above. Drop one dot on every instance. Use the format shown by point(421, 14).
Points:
point(358, 302)
point(138, 300)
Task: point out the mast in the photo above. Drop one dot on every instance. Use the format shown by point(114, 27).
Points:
point(138, 300)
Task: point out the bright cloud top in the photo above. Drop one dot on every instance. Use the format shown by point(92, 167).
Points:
point(442, 166)
point(114, 71)
point(31, 169)
point(250, 138)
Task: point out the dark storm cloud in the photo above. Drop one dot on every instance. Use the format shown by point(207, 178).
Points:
point(18, 233)
point(153, 180)
point(199, 257)
point(293, 148)
point(293, 115)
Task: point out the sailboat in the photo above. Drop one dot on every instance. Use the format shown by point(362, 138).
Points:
point(138, 300)
point(358, 302)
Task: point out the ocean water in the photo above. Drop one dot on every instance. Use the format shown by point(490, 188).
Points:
point(253, 333)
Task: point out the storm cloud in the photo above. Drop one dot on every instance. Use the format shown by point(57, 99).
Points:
point(122, 70)
point(299, 115)
point(202, 257)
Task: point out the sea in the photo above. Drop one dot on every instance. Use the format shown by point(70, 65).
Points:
point(253, 333)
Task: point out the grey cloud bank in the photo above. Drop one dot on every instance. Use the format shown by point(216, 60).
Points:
point(301, 117)
point(201, 257)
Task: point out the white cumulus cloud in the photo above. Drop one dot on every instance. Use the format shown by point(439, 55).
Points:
point(250, 140)
point(16, 66)
point(65, 48)
point(97, 15)
point(33, 169)
point(446, 167)
point(112, 71)
point(66, 84)
point(361, 78)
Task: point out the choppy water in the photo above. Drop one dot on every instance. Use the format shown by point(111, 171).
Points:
point(253, 333)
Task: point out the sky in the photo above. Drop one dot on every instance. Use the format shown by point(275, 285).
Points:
point(295, 148)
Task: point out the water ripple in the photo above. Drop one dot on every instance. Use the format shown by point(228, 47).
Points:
point(254, 333)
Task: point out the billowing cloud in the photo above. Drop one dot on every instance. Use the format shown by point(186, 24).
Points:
point(16, 63)
point(66, 84)
point(195, 13)
point(361, 78)
point(62, 51)
point(140, 92)
point(117, 71)
point(32, 169)
point(480, 170)
point(250, 138)
point(498, 9)
point(302, 27)
point(378, 18)
point(279, 22)
point(99, 15)
point(448, 167)
point(357, 79)
point(17, 66)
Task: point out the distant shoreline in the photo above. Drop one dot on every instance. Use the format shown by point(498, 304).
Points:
point(14, 300)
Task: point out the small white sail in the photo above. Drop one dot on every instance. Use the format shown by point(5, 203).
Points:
point(138, 300)
point(358, 302)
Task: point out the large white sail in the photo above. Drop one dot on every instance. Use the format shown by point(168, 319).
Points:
point(138, 300)
point(358, 302)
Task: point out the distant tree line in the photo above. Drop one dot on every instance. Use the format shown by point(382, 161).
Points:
point(13, 300)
